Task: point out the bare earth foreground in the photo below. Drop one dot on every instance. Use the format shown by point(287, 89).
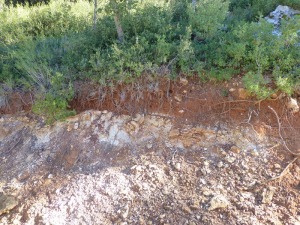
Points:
point(159, 168)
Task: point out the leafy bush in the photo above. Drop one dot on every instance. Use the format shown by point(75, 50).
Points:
point(52, 108)
point(213, 39)
point(207, 17)
point(58, 18)
point(53, 105)
point(256, 84)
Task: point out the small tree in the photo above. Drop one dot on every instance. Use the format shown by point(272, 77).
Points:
point(118, 8)
point(95, 12)
point(206, 16)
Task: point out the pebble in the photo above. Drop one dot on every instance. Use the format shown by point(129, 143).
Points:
point(195, 205)
point(268, 195)
point(292, 105)
point(178, 98)
point(203, 181)
point(162, 216)
point(207, 193)
point(186, 209)
point(274, 96)
point(254, 153)
point(277, 166)
point(177, 166)
point(24, 175)
point(183, 81)
point(218, 201)
point(206, 163)
point(76, 126)
point(230, 159)
point(125, 214)
point(174, 133)
point(235, 149)
point(220, 164)
point(149, 146)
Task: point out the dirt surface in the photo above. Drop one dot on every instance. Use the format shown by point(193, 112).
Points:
point(180, 153)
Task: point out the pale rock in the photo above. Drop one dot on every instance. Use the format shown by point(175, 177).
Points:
point(186, 209)
point(254, 152)
point(281, 12)
point(177, 166)
point(125, 212)
point(70, 127)
point(178, 98)
point(149, 146)
point(24, 175)
point(195, 205)
point(76, 126)
point(135, 125)
point(235, 149)
point(230, 159)
point(277, 166)
point(139, 118)
point(206, 163)
point(220, 164)
point(162, 216)
point(174, 133)
point(292, 105)
point(183, 81)
point(217, 202)
point(7, 203)
point(207, 192)
point(268, 194)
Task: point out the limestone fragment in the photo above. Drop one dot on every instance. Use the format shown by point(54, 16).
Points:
point(7, 203)
point(218, 201)
point(292, 105)
point(268, 195)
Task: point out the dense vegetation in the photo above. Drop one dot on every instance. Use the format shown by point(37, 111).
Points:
point(45, 47)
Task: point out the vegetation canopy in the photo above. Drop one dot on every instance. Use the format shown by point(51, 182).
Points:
point(43, 42)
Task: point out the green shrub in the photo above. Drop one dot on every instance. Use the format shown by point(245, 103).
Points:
point(207, 17)
point(250, 10)
point(52, 108)
point(295, 4)
point(255, 83)
point(58, 18)
point(214, 39)
point(53, 105)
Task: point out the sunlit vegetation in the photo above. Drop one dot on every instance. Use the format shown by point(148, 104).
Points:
point(42, 43)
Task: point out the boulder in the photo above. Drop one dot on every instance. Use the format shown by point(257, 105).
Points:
point(281, 12)
point(7, 203)
point(292, 105)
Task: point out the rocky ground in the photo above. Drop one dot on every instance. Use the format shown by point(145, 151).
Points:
point(103, 168)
